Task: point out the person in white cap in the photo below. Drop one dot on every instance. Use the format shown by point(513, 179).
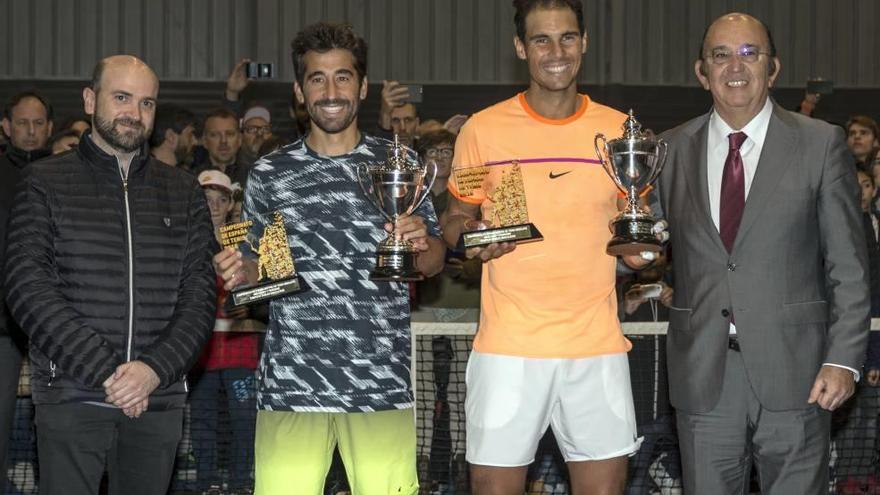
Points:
point(226, 364)
point(218, 192)
point(256, 129)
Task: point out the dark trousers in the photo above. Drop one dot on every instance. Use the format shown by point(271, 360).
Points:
point(239, 385)
point(77, 442)
point(10, 365)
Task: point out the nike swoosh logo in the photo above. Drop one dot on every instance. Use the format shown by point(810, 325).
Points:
point(556, 176)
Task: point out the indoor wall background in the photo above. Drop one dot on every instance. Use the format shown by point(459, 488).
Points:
point(633, 42)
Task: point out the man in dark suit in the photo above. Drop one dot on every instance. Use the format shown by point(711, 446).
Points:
point(27, 123)
point(770, 314)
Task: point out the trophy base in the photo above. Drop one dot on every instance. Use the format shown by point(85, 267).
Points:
point(633, 236)
point(526, 232)
point(396, 266)
point(267, 290)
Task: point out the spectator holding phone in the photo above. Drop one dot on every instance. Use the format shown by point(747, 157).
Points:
point(646, 286)
point(816, 88)
point(398, 113)
point(237, 81)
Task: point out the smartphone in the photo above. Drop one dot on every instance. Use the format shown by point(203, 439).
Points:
point(820, 86)
point(260, 70)
point(414, 93)
point(649, 291)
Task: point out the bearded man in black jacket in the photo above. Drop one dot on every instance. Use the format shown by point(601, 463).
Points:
point(27, 123)
point(108, 271)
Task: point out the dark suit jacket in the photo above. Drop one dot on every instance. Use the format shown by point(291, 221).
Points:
point(873, 263)
point(797, 279)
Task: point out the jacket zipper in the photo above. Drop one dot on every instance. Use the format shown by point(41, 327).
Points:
point(51, 372)
point(130, 268)
point(52, 366)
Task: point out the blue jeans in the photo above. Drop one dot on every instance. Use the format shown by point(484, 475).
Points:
point(239, 385)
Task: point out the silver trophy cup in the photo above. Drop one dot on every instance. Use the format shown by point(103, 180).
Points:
point(396, 188)
point(633, 161)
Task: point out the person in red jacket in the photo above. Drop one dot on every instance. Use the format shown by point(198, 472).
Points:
point(225, 369)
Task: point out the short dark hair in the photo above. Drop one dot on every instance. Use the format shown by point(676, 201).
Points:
point(170, 116)
point(864, 121)
point(323, 37)
point(524, 7)
point(432, 139)
point(18, 97)
point(221, 113)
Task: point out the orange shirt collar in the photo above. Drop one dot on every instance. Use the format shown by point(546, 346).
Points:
point(571, 118)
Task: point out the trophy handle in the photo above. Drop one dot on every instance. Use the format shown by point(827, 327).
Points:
point(607, 166)
point(362, 175)
point(662, 149)
point(599, 155)
point(427, 190)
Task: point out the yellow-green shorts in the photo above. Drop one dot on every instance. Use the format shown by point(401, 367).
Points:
point(294, 449)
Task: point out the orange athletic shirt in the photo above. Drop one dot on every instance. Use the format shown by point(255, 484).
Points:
point(553, 298)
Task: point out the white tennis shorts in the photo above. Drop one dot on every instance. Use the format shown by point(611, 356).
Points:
point(511, 400)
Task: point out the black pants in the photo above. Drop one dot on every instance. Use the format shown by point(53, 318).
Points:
point(10, 364)
point(78, 441)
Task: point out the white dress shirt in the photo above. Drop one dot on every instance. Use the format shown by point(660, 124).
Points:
point(718, 146)
point(716, 154)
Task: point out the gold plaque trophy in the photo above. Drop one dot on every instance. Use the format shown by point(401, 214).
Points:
point(507, 211)
point(276, 273)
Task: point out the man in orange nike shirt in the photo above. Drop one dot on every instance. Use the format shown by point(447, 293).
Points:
point(549, 350)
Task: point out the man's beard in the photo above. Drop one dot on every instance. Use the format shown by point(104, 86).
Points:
point(125, 142)
point(332, 126)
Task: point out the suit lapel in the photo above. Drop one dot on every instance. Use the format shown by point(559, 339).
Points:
point(776, 156)
point(698, 181)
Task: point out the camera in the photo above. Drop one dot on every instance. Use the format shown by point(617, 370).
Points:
point(260, 70)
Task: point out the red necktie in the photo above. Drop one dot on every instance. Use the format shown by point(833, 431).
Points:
point(733, 191)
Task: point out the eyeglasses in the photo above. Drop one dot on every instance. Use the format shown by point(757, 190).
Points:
point(262, 130)
point(747, 53)
point(439, 153)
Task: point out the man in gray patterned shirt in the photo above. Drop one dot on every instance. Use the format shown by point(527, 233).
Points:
point(336, 364)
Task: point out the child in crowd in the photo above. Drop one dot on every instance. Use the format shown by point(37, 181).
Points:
point(227, 366)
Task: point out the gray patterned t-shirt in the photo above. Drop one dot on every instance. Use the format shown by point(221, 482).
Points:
point(344, 345)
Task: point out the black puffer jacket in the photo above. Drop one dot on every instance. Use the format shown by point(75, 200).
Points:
point(99, 273)
point(11, 165)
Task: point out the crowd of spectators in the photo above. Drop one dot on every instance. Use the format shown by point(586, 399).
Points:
point(220, 148)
